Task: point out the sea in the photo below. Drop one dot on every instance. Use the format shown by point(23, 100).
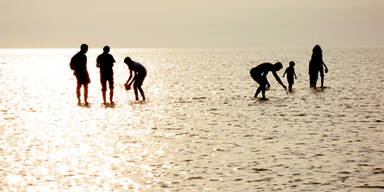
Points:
point(200, 128)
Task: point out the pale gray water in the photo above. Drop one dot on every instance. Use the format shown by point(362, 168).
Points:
point(200, 129)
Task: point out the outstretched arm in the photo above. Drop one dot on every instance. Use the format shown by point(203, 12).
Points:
point(278, 79)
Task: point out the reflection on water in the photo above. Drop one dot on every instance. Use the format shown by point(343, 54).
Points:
point(200, 129)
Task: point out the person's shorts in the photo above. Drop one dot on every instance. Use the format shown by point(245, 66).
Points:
point(139, 79)
point(83, 78)
point(258, 77)
point(103, 81)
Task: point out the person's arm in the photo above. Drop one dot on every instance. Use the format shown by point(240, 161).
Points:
point(267, 84)
point(326, 68)
point(113, 60)
point(97, 62)
point(295, 75)
point(130, 77)
point(278, 79)
point(285, 72)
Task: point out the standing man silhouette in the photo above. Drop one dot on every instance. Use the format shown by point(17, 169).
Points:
point(105, 63)
point(79, 65)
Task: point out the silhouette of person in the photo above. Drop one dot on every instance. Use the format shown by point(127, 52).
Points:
point(259, 74)
point(290, 71)
point(315, 66)
point(105, 62)
point(140, 73)
point(79, 65)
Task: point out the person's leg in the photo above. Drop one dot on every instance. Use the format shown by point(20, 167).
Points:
point(257, 78)
point(141, 92)
point(111, 90)
point(103, 89)
point(322, 77)
point(135, 91)
point(86, 93)
point(313, 79)
point(78, 92)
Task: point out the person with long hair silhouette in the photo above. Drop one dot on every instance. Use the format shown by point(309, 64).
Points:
point(316, 66)
point(105, 63)
point(79, 65)
point(259, 74)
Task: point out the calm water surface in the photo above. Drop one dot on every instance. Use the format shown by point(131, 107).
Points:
point(200, 129)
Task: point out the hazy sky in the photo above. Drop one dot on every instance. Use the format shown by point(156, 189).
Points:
point(192, 23)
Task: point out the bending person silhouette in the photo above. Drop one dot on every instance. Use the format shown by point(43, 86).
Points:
point(79, 65)
point(290, 71)
point(259, 74)
point(140, 73)
point(105, 63)
point(316, 66)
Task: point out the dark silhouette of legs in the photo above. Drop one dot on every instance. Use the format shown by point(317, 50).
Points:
point(111, 95)
point(104, 94)
point(78, 93)
point(85, 93)
point(141, 92)
point(135, 90)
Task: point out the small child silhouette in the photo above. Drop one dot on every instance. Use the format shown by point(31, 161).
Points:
point(290, 71)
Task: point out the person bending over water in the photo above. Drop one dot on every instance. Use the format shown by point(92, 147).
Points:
point(316, 66)
point(105, 63)
point(79, 65)
point(259, 74)
point(140, 74)
point(290, 71)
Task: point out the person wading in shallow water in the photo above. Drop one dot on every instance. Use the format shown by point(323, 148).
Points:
point(79, 65)
point(290, 71)
point(259, 74)
point(316, 66)
point(105, 63)
point(140, 74)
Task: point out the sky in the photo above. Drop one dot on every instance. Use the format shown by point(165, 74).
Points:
point(191, 24)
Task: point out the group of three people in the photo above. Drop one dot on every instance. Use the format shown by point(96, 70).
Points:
point(260, 72)
point(105, 62)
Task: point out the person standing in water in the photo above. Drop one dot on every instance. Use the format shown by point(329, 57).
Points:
point(139, 75)
point(105, 63)
point(259, 74)
point(79, 65)
point(290, 71)
point(315, 66)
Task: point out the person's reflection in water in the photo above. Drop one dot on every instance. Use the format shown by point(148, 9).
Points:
point(79, 65)
point(316, 66)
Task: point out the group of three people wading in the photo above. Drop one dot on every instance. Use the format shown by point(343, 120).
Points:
point(259, 73)
point(105, 61)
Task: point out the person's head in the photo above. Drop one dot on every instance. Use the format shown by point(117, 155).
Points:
point(106, 49)
point(128, 61)
point(278, 66)
point(316, 49)
point(291, 64)
point(84, 48)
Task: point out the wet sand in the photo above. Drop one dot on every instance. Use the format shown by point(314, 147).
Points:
point(200, 129)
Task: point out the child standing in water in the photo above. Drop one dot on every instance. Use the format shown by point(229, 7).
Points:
point(290, 71)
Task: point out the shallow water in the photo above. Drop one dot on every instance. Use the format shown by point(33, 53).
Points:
point(200, 129)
